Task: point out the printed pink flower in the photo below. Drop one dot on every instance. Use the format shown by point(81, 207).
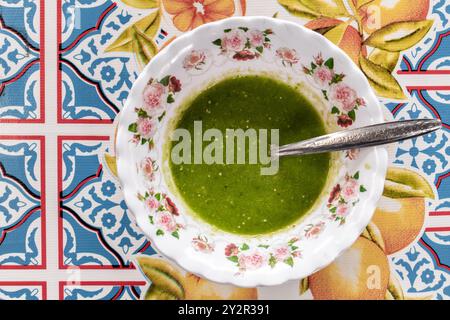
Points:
point(281, 253)
point(194, 60)
point(256, 38)
point(174, 84)
point(148, 168)
point(322, 76)
point(170, 206)
point(342, 210)
point(361, 102)
point(343, 96)
point(146, 127)
point(202, 245)
point(252, 261)
point(234, 40)
point(352, 154)
point(287, 55)
point(315, 230)
point(152, 203)
point(344, 121)
point(153, 96)
point(231, 250)
point(318, 59)
point(350, 188)
point(335, 193)
point(166, 221)
point(245, 55)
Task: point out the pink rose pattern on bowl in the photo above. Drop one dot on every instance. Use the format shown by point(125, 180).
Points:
point(342, 98)
point(162, 213)
point(196, 59)
point(245, 44)
point(156, 96)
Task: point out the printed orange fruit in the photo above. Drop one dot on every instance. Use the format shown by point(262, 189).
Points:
point(379, 13)
point(197, 288)
point(361, 272)
point(399, 221)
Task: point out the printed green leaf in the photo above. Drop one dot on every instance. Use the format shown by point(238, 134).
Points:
point(233, 259)
point(335, 110)
point(328, 8)
point(170, 98)
point(297, 8)
point(175, 234)
point(303, 285)
point(141, 4)
point(356, 175)
point(399, 36)
point(386, 59)
point(144, 48)
point(142, 113)
point(165, 81)
point(149, 25)
point(132, 127)
point(159, 232)
point(272, 261)
point(245, 247)
point(330, 63)
point(218, 42)
point(289, 261)
point(381, 79)
point(362, 189)
point(352, 115)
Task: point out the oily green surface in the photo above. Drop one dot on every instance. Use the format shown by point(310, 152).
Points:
point(236, 197)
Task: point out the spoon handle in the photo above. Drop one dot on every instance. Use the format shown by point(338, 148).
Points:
point(373, 135)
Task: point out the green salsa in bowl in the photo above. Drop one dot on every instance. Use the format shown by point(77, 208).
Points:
point(193, 152)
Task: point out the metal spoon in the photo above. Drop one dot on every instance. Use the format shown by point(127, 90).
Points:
point(373, 135)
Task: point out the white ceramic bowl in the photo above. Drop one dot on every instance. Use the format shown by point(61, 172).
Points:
point(295, 54)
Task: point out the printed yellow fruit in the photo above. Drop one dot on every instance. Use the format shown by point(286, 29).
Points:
point(142, 4)
point(381, 79)
point(405, 183)
point(111, 163)
point(399, 36)
point(361, 272)
point(297, 8)
point(378, 13)
point(148, 25)
point(347, 38)
point(399, 221)
point(386, 59)
point(162, 275)
point(156, 293)
point(197, 288)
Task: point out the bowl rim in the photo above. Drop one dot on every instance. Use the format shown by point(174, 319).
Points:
point(336, 248)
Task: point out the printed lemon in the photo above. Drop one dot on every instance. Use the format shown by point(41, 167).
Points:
point(197, 288)
point(361, 272)
point(379, 13)
point(399, 221)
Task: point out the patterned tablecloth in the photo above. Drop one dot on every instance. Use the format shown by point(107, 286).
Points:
point(66, 68)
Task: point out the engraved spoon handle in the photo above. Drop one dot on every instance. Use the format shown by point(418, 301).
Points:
point(373, 135)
